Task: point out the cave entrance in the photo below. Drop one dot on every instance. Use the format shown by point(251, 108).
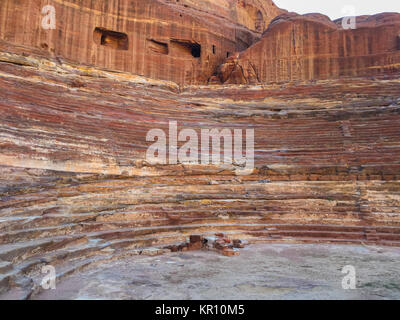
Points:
point(186, 48)
point(398, 42)
point(111, 39)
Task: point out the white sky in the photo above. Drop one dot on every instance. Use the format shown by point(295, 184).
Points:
point(337, 8)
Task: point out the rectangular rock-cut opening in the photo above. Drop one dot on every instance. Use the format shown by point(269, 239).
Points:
point(398, 42)
point(214, 49)
point(186, 48)
point(111, 39)
point(157, 46)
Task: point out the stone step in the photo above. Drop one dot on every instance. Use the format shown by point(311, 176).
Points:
point(5, 266)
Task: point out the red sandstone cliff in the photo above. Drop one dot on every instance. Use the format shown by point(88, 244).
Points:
point(311, 47)
point(181, 41)
point(75, 187)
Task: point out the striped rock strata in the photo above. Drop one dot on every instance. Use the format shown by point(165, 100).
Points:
point(182, 41)
point(75, 189)
point(311, 46)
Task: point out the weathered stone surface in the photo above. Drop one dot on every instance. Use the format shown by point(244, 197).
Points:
point(182, 41)
point(311, 46)
point(262, 271)
point(76, 189)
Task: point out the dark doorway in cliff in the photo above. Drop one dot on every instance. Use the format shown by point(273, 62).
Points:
point(186, 48)
point(196, 50)
point(398, 42)
point(111, 39)
point(157, 46)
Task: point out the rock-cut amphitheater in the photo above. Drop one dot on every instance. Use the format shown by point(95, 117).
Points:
point(77, 101)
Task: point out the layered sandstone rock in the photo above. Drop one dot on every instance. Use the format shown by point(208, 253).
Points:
point(310, 47)
point(253, 14)
point(76, 189)
point(182, 41)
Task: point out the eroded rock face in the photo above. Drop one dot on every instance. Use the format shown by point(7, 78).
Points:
point(256, 14)
point(76, 190)
point(181, 41)
point(310, 47)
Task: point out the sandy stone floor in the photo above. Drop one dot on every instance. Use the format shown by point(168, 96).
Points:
point(262, 271)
